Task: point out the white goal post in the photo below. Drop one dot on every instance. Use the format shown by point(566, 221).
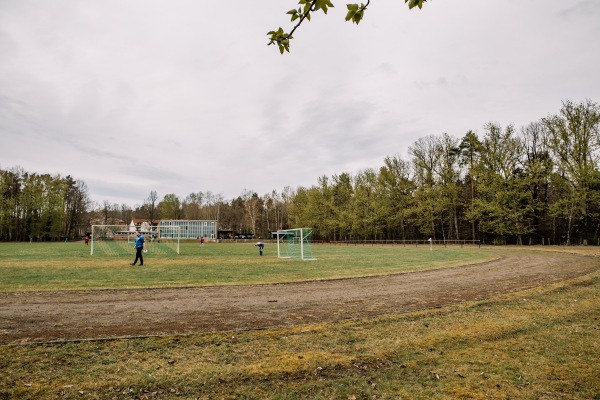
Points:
point(120, 239)
point(295, 243)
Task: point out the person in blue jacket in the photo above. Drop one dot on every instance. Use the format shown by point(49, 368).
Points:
point(261, 246)
point(139, 247)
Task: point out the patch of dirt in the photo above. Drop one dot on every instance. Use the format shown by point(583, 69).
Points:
point(28, 317)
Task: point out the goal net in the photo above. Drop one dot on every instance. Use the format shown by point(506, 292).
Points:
point(116, 240)
point(295, 243)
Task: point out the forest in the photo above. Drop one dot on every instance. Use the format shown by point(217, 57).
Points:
point(537, 184)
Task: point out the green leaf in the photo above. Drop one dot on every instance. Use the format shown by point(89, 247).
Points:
point(323, 5)
point(350, 15)
point(294, 13)
point(352, 7)
point(415, 3)
point(320, 5)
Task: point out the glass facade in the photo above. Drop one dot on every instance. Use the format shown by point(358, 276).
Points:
point(193, 229)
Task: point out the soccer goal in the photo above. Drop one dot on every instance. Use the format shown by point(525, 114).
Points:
point(116, 240)
point(295, 243)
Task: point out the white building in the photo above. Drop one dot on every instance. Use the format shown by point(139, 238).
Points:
point(193, 229)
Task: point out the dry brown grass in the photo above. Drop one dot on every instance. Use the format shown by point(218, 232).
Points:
point(538, 344)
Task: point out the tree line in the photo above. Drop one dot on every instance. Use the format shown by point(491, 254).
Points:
point(40, 207)
point(539, 184)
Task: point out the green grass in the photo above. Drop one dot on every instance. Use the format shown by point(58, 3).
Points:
point(67, 266)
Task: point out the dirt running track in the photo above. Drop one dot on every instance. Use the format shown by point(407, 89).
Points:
point(27, 317)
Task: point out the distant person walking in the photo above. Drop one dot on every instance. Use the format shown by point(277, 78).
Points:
point(139, 247)
point(202, 241)
point(86, 239)
point(261, 246)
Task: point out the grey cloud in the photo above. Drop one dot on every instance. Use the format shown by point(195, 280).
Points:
point(439, 82)
point(586, 9)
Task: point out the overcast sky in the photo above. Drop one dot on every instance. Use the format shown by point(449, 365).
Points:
point(184, 96)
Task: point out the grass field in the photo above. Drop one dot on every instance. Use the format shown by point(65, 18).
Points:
point(542, 343)
point(42, 266)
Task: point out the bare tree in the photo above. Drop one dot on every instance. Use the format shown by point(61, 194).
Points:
point(152, 206)
point(251, 207)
